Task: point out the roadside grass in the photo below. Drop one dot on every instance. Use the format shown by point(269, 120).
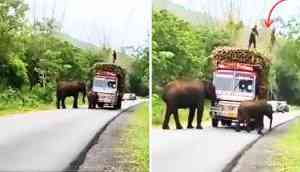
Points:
point(287, 158)
point(15, 106)
point(14, 109)
point(136, 137)
point(158, 113)
point(294, 108)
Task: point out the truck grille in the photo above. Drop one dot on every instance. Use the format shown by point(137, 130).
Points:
point(225, 109)
point(106, 98)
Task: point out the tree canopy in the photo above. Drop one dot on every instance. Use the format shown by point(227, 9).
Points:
point(180, 50)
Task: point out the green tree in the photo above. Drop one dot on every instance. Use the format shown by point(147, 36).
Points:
point(12, 20)
point(287, 65)
point(139, 76)
point(180, 50)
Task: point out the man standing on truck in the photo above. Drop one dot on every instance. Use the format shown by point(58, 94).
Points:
point(114, 56)
point(273, 39)
point(252, 39)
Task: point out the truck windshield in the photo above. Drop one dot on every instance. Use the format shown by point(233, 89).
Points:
point(104, 84)
point(223, 82)
point(234, 85)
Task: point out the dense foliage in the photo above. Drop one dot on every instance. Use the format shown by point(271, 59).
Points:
point(180, 50)
point(287, 66)
point(139, 76)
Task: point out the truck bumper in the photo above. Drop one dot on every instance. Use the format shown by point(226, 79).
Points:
point(107, 99)
point(224, 111)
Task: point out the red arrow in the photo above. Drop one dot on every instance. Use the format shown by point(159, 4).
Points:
point(269, 21)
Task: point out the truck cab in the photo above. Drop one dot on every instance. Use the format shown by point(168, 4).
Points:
point(105, 85)
point(234, 82)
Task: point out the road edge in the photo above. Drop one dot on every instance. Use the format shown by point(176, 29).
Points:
point(79, 159)
point(230, 166)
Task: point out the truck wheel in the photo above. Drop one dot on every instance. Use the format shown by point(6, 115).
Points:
point(286, 109)
point(214, 122)
point(228, 123)
point(100, 105)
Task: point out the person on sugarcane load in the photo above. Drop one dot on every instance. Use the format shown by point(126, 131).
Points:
point(273, 39)
point(253, 35)
point(114, 56)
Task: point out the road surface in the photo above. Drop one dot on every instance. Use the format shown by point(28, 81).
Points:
point(209, 150)
point(49, 140)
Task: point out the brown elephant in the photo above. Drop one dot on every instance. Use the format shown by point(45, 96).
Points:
point(256, 110)
point(69, 88)
point(92, 99)
point(186, 94)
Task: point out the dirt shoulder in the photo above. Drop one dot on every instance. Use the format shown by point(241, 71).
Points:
point(263, 156)
point(110, 153)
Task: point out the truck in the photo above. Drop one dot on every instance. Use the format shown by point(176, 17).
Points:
point(108, 84)
point(238, 75)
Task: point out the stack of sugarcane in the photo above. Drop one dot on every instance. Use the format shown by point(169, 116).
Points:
point(108, 67)
point(260, 64)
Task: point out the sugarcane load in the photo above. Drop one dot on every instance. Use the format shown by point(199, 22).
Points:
point(239, 75)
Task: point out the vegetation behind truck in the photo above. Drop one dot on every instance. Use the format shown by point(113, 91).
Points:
point(239, 75)
point(108, 84)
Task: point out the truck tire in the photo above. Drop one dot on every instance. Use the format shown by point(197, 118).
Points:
point(100, 105)
point(226, 122)
point(214, 122)
point(286, 109)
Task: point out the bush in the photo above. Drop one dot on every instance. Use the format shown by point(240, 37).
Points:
point(157, 110)
point(137, 86)
point(17, 73)
point(44, 94)
point(139, 76)
point(25, 97)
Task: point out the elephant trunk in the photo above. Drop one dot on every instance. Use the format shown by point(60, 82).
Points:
point(83, 95)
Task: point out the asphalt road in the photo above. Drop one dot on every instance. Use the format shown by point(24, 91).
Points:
point(207, 150)
point(49, 140)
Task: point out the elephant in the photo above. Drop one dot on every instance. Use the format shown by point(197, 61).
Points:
point(92, 99)
point(186, 94)
point(256, 110)
point(69, 88)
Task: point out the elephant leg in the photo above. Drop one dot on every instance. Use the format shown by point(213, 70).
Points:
point(75, 103)
point(191, 117)
point(167, 119)
point(177, 121)
point(199, 116)
point(90, 104)
point(248, 126)
point(94, 104)
point(63, 102)
point(260, 125)
point(58, 103)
